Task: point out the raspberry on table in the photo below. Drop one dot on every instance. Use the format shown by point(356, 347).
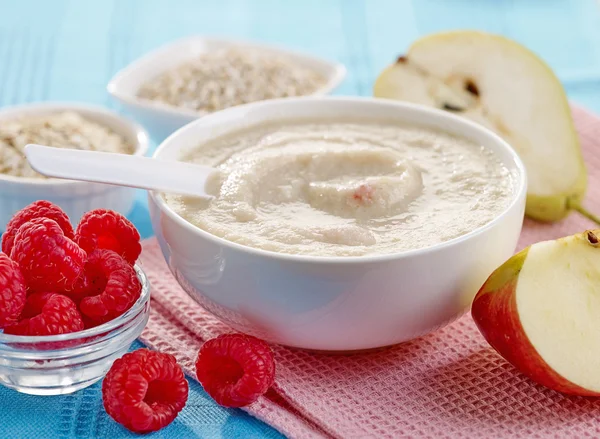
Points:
point(12, 291)
point(235, 369)
point(49, 260)
point(144, 390)
point(47, 314)
point(105, 229)
point(38, 209)
point(109, 288)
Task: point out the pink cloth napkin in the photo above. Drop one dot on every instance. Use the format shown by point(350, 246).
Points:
point(448, 384)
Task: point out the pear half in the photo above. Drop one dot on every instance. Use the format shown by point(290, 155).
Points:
point(541, 311)
point(505, 87)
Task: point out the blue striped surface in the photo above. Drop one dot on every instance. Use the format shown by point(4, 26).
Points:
point(67, 50)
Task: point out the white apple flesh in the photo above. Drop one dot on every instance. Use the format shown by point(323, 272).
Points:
point(541, 311)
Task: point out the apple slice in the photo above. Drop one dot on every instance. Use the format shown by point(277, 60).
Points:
point(541, 311)
point(502, 85)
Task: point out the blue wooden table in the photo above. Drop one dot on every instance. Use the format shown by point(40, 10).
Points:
point(67, 50)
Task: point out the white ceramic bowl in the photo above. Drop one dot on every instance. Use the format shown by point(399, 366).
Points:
point(334, 303)
point(74, 197)
point(162, 120)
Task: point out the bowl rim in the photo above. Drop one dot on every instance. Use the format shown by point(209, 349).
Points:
point(91, 332)
point(335, 77)
point(231, 114)
point(137, 131)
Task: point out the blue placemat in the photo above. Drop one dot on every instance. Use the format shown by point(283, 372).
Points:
point(68, 50)
point(81, 415)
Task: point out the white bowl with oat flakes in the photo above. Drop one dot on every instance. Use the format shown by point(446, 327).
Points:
point(179, 82)
point(63, 125)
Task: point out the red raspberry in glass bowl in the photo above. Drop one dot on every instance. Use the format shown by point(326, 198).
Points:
point(64, 363)
point(144, 390)
point(45, 348)
point(38, 209)
point(12, 291)
point(108, 287)
point(47, 314)
point(49, 260)
point(106, 229)
point(235, 369)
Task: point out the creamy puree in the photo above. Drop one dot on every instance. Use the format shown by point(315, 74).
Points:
point(345, 188)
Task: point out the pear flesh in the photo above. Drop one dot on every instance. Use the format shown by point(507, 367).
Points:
point(541, 311)
point(503, 86)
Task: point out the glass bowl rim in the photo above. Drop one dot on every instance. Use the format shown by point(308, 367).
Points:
point(104, 328)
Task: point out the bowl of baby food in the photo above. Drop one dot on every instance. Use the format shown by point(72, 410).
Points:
point(66, 125)
point(188, 78)
point(339, 224)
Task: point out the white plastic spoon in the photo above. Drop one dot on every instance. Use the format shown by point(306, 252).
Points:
point(120, 169)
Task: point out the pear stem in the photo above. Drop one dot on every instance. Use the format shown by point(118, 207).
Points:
point(582, 210)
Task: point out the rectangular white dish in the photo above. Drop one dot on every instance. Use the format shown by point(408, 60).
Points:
point(162, 120)
point(74, 197)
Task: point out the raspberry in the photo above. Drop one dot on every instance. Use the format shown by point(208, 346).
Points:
point(235, 369)
point(364, 194)
point(12, 291)
point(109, 288)
point(109, 230)
point(39, 209)
point(47, 314)
point(144, 390)
point(49, 260)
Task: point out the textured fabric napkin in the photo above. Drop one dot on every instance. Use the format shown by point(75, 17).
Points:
point(448, 384)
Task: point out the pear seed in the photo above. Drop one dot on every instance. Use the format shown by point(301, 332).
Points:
point(471, 87)
point(454, 108)
point(592, 238)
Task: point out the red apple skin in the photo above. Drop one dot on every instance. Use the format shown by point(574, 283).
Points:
point(495, 313)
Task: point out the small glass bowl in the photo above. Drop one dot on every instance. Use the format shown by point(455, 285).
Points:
point(61, 364)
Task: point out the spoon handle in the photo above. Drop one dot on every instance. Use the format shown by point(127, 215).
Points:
point(120, 169)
